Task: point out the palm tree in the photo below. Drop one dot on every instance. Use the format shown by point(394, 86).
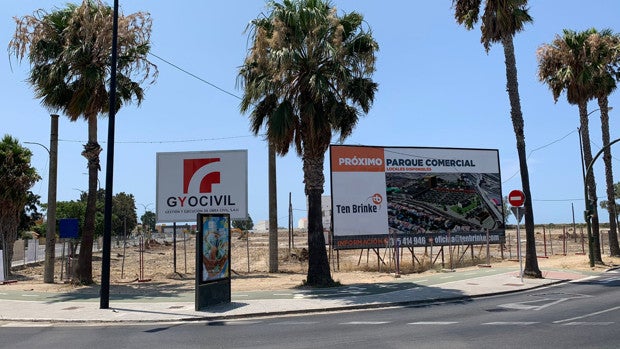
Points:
point(501, 20)
point(308, 74)
point(16, 178)
point(566, 65)
point(606, 55)
point(69, 52)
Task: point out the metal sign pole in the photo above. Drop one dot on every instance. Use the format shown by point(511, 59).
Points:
point(519, 251)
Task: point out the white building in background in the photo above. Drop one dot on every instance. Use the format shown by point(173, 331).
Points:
point(326, 214)
point(302, 223)
point(326, 211)
point(261, 226)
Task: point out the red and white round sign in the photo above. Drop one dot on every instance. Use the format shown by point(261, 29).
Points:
point(516, 198)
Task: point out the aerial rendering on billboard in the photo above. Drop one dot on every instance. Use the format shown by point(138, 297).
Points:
point(420, 196)
point(189, 183)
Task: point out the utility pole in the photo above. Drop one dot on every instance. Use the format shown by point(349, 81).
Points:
point(50, 236)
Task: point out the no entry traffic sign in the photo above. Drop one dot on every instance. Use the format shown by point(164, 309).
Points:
point(516, 198)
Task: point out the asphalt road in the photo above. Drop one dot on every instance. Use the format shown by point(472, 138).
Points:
point(583, 314)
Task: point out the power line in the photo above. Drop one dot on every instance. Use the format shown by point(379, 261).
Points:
point(539, 148)
point(162, 142)
point(195, 76)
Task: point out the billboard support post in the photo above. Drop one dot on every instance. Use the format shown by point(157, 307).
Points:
point(174, 247)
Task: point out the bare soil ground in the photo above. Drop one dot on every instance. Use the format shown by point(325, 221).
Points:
point(250, 265)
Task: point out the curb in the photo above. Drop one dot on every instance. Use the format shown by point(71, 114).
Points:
point(285, 312)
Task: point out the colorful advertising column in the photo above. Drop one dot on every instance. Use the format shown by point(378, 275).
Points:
point(212, 260)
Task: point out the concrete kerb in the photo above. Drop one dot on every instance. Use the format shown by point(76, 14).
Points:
point(275, 313)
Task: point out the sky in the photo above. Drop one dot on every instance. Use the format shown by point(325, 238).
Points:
point(437, 88)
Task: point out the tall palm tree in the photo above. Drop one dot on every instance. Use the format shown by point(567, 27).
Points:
point(501, 20)
point(606, 55)
point(69, 52)
point(566, 65)
point(308, 74)
point(16, 178)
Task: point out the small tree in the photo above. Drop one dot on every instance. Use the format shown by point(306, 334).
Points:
point(148, 219)
point(243, 224)
point(16, 177)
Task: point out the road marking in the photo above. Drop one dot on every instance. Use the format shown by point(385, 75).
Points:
point(547, 303)
point(365, 323)
point(295, 323)
point(29, 295)
point(283, 294)
point(581, 323)
point(511, 323)
point(586, 315)
point(433, 323)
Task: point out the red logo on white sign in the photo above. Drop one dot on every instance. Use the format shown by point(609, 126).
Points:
point(191, 166)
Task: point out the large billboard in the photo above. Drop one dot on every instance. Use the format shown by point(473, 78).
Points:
point(419, 196)
point(189, 183)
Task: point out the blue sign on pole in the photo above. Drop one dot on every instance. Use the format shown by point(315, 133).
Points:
point(68, 228)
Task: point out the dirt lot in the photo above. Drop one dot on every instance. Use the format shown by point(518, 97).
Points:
point(250, 265)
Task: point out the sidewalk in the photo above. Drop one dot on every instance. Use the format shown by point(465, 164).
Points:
point(70, 308)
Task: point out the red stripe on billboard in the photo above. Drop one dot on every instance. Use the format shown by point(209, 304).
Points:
point(357, 159)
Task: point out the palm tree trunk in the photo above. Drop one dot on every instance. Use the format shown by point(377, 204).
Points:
point(512, 86)
point(590, 182)
point(318, 264)
point(84, 270)
point(614, 249)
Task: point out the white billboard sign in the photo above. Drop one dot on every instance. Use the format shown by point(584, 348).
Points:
point(416, 195)
point(189, 183)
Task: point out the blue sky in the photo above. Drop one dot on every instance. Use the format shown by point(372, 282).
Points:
point(437, 88)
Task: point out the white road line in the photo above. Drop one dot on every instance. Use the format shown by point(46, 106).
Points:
point(433, 323)
point(581, 323)
point(295, 323)
point(586, 315)
point(511, 323)
point(365, 323)
point(29, 295)
point(240, 322)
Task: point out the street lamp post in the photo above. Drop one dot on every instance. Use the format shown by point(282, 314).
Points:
point(588, 205)
point(588, 211)
point(104, 301)
point(145, 210)
point(50, 236)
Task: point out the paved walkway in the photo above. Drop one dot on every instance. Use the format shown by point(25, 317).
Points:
point(72, 308)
